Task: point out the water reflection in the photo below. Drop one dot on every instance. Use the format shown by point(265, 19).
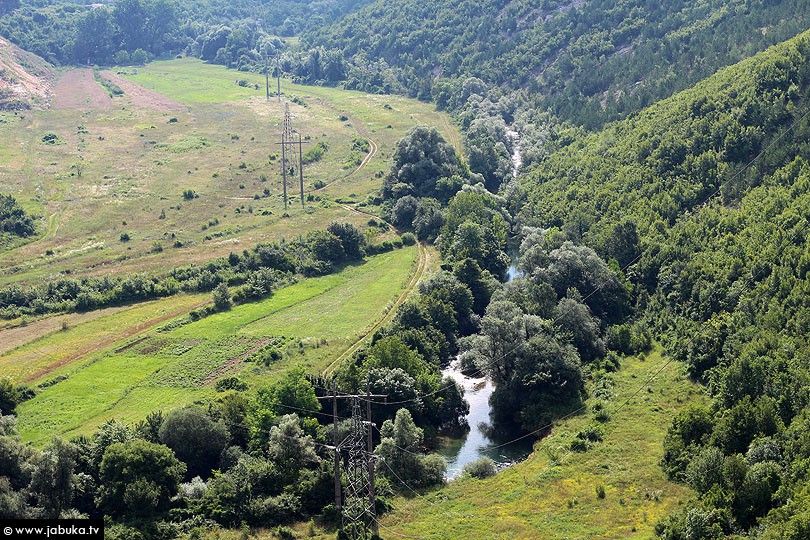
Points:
point(478, 441)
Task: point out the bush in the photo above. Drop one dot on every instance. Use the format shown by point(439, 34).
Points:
point(408, 239)
point(9, 397)
point(481, 468)
point(579, 445)
point(285, 533)
point(221, 297)
point(600, 491)
point(124, 237)
point(230, 383)
point(591, 433)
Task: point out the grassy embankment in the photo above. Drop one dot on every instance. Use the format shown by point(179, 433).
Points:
point(554, 494)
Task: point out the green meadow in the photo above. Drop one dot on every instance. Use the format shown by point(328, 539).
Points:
point(555, 492)
point(123, 169)
point(179, 360)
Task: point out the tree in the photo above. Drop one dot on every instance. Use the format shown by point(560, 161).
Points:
point(294, 393)
point(130, 16)
point(575, 317)
point(421, 158)
point(446, 288)
point(404, 211)
point(9, 397)
point(94, 40)
point(195, 439)
point(536, 375)
point(13, 218)
point(579, 267)
point(428, 219)
point(137, 479)
point(391, 353)
point(326, 246)
point(289, 448)
point(489, 150)
point(399, 452)
point(397, 385)
point(53, 479)
point(222, 297)
point(351, 239)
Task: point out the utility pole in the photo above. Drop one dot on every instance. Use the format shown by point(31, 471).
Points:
point(358, 513)
point(267, 76)
point(278, 76)
point(301, 168)
point(287, 140)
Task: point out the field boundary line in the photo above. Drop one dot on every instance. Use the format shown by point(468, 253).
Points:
point(106, 342)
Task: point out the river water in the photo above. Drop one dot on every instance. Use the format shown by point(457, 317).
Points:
point(479, 441)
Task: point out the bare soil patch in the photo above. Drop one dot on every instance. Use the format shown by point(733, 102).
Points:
point(24, 77)
point(78, 89)
point(143, 97)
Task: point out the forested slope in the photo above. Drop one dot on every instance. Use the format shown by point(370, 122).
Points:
point(235, 33)
point(589, 61)
point(703, 200)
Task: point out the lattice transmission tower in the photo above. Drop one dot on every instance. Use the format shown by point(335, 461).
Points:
point(291, 152)
point(358, 512)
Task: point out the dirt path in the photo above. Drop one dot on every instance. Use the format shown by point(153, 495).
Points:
point(78, 89)
point(363, 132)
point(421, 266)
point(233, 362)
point(106, 342)
point(143, 97)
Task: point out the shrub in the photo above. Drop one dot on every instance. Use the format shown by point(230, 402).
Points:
point(285, 533)
point(481, 468)
point(591, 433)
point(579, 445)
point(189, 194)
point(124, 237)
point(221, 297)
point(230, 383)
point(408, 239)
point(600, 491)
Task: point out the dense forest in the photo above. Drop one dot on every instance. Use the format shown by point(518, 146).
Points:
point(239, 34)
point(588, 62)
point(702, 201)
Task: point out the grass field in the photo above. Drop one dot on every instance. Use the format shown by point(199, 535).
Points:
point(124, 168)
point(166, 365)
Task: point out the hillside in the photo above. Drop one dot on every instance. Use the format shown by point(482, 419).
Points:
point(25, 79)
point(589, 61)
point(702, 200)
point(237, 33)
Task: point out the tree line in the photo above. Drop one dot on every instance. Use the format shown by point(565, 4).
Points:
point(254, 273)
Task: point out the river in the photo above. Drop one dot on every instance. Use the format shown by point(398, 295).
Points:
point(478, 441)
